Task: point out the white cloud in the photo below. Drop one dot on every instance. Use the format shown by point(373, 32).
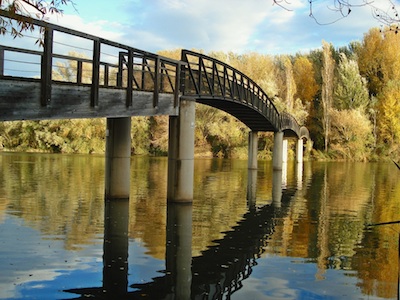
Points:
point(223, 25)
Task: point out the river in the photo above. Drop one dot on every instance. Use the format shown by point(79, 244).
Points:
point(307, 239)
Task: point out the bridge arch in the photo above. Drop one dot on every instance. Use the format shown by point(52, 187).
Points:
point(212, 82)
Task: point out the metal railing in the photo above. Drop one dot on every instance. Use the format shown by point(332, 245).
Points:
point(128, 68)
point(288, 122)
point(210, 78)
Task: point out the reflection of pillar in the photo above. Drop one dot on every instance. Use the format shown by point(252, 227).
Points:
point(251, 187)
point(299, 151)
point(299, 176)
point(118, 156)
point(179, 248)
point(284, 151)
point(181, 153)
point(284, 174)
point(253, 147)
point(115, 258)
point(277, 155)
point(277, 188)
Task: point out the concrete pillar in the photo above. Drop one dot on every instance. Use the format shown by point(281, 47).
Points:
point(118, 158)
point(179, 249)
point(181, 153)
point(299, 151)
point(284, 151)
point(253, 147)
point(278, 151)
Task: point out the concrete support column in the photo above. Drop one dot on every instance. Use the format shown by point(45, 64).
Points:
point(284, 151)
point(253, 147)
point(118, 158)
point(299, 151)
point(181, 153)
point(278, 151)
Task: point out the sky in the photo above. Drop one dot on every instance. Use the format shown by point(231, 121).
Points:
point(239, 26)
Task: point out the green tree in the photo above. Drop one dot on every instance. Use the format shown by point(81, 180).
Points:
point(350, 89)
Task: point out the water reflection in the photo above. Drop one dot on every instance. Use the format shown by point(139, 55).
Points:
point(115, 254)
point(315, 228)
point(218, 271)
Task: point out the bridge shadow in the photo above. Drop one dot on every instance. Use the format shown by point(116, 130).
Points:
point(218, 272)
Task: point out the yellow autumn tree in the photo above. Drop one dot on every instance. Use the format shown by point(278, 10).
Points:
point(389, 117)
point(304, 77)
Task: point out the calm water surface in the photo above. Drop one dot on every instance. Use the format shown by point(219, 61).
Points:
point(302, 235)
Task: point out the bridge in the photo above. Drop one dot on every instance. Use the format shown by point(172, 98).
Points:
point(118, 81)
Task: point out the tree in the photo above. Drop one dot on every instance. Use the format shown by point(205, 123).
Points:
point(39, 9)
point(379, 59)
point(351, 134)
point(327, 89)
point(304, 77)
point(290, 84)
point(350, 90)
point(389, 117)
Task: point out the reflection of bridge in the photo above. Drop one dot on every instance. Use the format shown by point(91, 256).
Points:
point(118, 82)
point(217, 273)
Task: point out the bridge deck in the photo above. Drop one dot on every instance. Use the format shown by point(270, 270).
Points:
point(21, 100)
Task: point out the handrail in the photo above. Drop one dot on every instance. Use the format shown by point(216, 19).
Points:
point(138, 71)
point(289, 122)
point(209, 77)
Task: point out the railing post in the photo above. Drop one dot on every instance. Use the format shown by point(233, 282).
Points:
point(214, 69)
point(178, 86)
point(157, 70)
point(106, 75)
point(95, 74)
point(199, 83)
point(1, 61)
point(120, 69)
point(129, 87)
point(46, 67)
point(79, 72)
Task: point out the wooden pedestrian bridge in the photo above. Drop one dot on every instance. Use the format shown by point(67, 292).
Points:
point(106, 79)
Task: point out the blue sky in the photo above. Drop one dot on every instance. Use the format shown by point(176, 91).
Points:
point(239, 26)
point(218, 25)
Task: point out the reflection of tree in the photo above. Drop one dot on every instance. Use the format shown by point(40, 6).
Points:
point(327, 224)
point(58, 195)
point(378, 269)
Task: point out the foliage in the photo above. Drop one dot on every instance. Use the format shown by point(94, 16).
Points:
point(327, 89)
point(304, 77)
point(389, 117)
point(351, 134)
point(350, 90)
point(27, 8)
